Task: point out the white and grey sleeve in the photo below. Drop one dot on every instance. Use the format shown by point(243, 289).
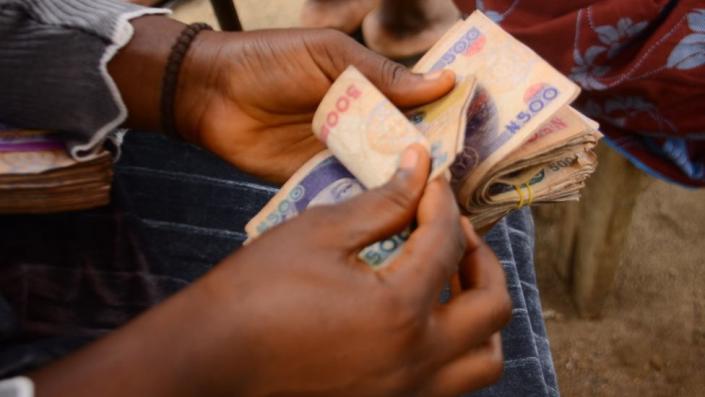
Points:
point(53, 66)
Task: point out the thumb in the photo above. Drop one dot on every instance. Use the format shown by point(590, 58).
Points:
point(388, 209)
point(401, 86)
point(334, 51)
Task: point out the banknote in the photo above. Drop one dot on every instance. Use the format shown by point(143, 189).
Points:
point(542, 182)
point(517, 91)
point(563, 135)
point(563, 129)
point(31, 152)
point(323, 180)
point(37, 175)
point(363, 129)
point(506, 132)
point(443, 122)
point(530, 175)
point(368, 133)
point(556, 181)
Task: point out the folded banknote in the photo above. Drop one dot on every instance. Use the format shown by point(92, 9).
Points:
point(506, 136)
point(37, 175)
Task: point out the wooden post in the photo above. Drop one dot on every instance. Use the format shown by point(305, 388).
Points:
point(605, 216)
point(556, 228)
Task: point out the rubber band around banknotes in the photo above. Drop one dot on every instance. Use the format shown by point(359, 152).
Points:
point(529, 195)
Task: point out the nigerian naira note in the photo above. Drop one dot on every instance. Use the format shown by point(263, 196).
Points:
point(31, 152)
point(517, 91)
point(323, 180)
point(443, 122)
point(363, 129)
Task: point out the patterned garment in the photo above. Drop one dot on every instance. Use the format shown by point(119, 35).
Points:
point(641, 64)
point(66, 279)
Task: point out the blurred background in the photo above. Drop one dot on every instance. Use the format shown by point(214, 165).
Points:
point(626, 321)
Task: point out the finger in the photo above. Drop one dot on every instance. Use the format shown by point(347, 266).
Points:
point(379, 213)
point(403, 87)
point(460, 280)
point(468, 275)
point(431, 254)
point(478, 312)
point(334, 51)
point(480, 267)
point(478, 368)
point(456, 288)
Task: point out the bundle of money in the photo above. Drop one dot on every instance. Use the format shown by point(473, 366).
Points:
point(38, 176)
point(505, 136)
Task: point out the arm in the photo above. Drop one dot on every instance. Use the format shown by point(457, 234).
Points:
point(297, 313)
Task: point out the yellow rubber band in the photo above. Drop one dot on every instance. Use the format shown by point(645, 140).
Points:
point(531, 194)
point(521, 196)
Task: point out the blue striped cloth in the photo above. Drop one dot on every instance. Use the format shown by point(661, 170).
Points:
point(528, 367)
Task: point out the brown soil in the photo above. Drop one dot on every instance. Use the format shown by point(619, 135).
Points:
point(650, 340)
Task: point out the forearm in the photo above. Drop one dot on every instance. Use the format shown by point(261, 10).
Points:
point(139, 68)
point(156, 354)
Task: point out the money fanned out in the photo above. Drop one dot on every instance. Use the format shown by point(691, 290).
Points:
point(506, 133)
point(38, 176)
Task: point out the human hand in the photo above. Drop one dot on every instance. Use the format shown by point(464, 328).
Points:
point(250, 97)
point(317, 321)
point(297, 313)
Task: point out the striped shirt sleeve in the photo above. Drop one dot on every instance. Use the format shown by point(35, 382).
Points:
point(53, 66)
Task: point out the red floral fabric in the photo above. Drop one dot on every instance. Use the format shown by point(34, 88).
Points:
point(641, 64)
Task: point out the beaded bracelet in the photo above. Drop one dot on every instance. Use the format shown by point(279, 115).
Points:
point(171, 75)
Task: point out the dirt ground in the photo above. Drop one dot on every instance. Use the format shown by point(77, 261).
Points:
point(650, 340)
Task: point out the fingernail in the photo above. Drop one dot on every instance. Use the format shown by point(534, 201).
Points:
point(433, 76)
point(408, 159)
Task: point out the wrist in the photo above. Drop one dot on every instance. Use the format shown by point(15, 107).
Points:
point(197, 84)
point(138, 69)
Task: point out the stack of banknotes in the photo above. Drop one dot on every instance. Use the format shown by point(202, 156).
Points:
point(37, 175)
point(506, 136)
